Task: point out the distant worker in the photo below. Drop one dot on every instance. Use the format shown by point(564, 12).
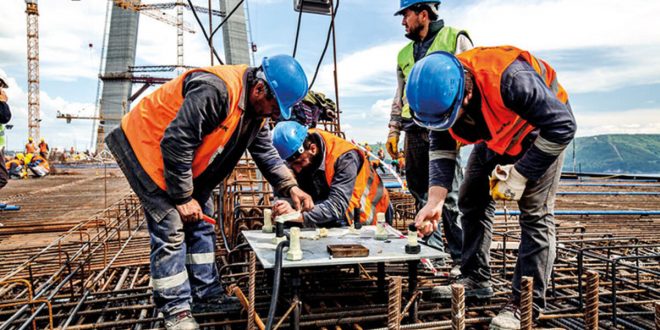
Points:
point(177, 145)
point(335, 172)
point(14, 167)
point(44, 150)
point(511, 105)
point(39, 166)
point(30, 148)
point(401, 160)
point(377, 163)
point(428, 34)
point(5, 117)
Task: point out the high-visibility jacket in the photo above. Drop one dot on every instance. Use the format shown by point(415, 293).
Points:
point(37, 160)
point(487, 64)
point(369, 193)
point(13, 164)
point(145, 125)
point(30, 148)
point(445, 40)
point(43, 147)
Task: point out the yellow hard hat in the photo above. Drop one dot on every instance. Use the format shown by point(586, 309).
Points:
point(30, 139)
point(20, 156)
point(42, 139)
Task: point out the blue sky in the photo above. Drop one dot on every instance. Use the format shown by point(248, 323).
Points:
point(605, 53)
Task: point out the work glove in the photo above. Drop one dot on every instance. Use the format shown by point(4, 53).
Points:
point(392, 144)
point(506, 183)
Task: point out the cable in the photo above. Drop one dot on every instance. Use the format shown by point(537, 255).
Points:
point(295, 44)
point(201, 26)
point(277, 277)
point(226, 18)
point(327, 42)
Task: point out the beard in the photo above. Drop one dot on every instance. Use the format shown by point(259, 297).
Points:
point(414, 32)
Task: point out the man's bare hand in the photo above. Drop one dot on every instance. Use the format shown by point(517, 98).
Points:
point(427, 219)
point(282, 207)
point(190, 212)
point(301, 198)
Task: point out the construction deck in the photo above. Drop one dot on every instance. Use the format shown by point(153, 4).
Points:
point(77, 256)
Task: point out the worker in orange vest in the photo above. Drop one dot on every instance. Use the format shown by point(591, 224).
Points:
point(177, 145)
point(43, 148)
point(30, 148)
point(510, 104)
point(335, 172)
point(39, 166)
point(14, 167)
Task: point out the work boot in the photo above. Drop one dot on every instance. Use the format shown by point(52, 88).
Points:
point(181, 321)
point(222, 304)
point(480, 290)
point(455, 272)
point(508, 318)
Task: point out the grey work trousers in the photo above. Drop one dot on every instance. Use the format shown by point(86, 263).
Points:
point(537, 249)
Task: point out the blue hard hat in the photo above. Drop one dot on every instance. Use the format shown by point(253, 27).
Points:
point(435, 90)
point(288, 139)
point(287, 80)
point(407, 3)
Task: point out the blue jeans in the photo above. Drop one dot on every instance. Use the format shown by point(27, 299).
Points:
point(537, 250)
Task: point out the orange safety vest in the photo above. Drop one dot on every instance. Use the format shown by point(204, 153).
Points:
point(487, 64)
point(369, 193)
point(145, 125)
point(29, 148)
point(44, 162)
point(43, 147)
point(13, 161)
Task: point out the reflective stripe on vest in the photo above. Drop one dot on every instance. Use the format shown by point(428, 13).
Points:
point(445, 40)
point(145, 125)
point(487, 64)
point(3, 139)
point(369, 194)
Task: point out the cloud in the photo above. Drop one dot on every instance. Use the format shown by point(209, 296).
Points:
point(635, 121)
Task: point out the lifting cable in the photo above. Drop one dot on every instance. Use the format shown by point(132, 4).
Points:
point(201, 26)
point(327, 42)
point(295, 44)
point(226, 18)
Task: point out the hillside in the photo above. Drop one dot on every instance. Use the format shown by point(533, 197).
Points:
point(616, 153)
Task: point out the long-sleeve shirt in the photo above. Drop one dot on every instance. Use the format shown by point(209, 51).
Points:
point(330, 202)
point(204, 108)
point(525, 93)
point(420, 48)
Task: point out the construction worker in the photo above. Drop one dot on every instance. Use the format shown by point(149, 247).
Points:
point(428, 34)
point(335, 172)
point(511, 106)
point(44, 150)
point(39, 166)
point(5, 117)
point(401, 161)
point(14, 167)
point(177, 145)
point(30, 148)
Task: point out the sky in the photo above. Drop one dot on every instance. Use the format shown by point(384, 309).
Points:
point(604, 51)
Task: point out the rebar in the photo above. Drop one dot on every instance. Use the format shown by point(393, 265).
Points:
point(251, 291)
point(591, 301)
point(526, 305)
point(394, 303)
point(457, 307)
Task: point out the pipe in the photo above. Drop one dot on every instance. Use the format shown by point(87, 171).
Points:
point(618, 193)
point(590, 212)
point(277, 276)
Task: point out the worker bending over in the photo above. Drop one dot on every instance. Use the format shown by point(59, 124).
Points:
point(177, 145)
point(511, 106)
point(336, 173)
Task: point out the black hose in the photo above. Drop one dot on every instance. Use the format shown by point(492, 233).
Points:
point(295, 44)
point(277, 276)
point(201, 26)
point(327, 42)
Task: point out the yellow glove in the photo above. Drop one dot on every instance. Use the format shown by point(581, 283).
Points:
point(392, 144)
point(506, 183)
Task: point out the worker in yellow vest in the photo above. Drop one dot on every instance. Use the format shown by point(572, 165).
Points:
point(427, 34)
point(335, 172)
point(511, 105)
point(177, 145)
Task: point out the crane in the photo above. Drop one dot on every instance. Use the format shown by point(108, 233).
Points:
point(34, 116)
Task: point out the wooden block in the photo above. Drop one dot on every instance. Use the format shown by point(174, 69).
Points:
point(347, 250)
